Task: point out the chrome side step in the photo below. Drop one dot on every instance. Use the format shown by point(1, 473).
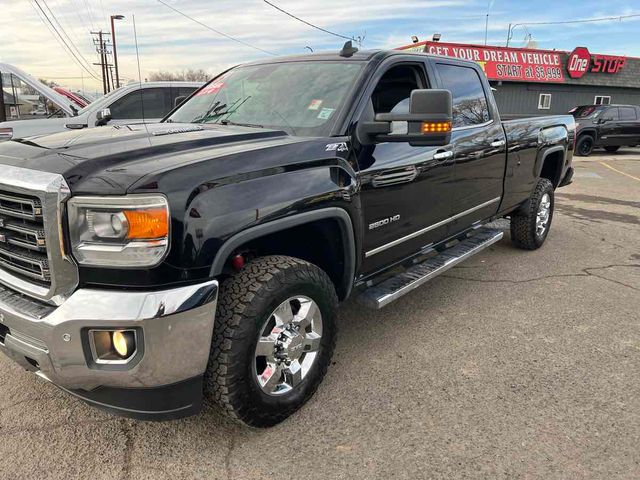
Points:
point(393, 288)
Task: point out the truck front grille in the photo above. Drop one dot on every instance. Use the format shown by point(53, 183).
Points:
point(23, 246)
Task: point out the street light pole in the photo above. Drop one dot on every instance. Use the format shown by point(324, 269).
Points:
point(113, 39)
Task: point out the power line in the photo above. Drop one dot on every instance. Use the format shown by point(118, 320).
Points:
point(309, 23)
point(512, 26)
point(66, 35)
point(214, 30)
point(59, 38)
point(586, 20)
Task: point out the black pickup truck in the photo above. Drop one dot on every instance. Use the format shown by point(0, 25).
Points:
point(606, 126)
point(146, 268)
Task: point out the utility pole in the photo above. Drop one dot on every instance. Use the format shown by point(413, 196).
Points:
point(101, 48)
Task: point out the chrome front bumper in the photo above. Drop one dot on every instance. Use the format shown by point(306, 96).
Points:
point(176, 326)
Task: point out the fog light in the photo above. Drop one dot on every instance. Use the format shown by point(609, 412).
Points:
point(123, 342)
point(112, 346)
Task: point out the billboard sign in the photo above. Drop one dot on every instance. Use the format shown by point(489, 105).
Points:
point(502, 63)
point(525, 64)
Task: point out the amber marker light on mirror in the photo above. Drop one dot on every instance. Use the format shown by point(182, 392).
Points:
point(436, 127)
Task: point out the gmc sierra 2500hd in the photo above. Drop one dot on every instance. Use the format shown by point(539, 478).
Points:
point(145, 268)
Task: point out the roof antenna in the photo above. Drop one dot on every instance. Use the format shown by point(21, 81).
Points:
point(348, 49)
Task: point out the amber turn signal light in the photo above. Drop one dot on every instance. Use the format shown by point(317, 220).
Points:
point(436, 127)
point(147, 224)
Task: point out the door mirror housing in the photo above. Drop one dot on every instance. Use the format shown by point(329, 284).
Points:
point(102, 117)
point(429, 121)
point(178, 101)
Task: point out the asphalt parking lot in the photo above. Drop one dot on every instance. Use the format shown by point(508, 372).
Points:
point(513, 365)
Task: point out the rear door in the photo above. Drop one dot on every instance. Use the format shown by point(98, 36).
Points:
point(478, 142)
point(629, 125)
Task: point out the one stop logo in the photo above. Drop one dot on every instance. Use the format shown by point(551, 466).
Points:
point(580, 62)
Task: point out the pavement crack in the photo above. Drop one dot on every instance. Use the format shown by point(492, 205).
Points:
point(585, 272)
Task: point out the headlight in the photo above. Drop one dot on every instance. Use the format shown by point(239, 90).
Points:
point(130, 231)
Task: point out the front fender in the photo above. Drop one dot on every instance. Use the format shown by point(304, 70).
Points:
point(217, 215)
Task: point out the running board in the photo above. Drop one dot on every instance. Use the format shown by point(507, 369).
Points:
point(393, 288)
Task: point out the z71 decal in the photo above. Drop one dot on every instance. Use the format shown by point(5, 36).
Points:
point(337, 147)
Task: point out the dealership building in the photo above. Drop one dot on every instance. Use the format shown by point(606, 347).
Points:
point(531, 82)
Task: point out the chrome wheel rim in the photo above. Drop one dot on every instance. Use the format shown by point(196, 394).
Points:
point(542, 218)
point(288, 345)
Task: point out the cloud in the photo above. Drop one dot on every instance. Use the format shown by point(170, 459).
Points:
point(168, 41)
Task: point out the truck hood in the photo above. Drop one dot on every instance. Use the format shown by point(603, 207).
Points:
point(108, 160)
point(40, 126)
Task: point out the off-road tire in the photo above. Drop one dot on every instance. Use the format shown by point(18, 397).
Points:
point(523, 223)
point(584, 145)
point(612, 148)
point(245, 302)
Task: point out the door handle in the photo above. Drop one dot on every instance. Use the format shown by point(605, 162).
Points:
point(440, 156)
point(498, 143)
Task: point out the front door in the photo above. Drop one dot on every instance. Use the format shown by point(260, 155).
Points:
point(610, 127)
point(405, 190)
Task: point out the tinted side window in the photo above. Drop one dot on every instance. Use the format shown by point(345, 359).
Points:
point(627, 113)
point(611, 114)
point(129, 107)
point(157, 102)
point(469, 101)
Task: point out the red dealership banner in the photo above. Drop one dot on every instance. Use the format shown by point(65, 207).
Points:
point(502, 63)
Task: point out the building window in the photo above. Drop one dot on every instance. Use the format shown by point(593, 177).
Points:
point(602, 100)
point(544, 102)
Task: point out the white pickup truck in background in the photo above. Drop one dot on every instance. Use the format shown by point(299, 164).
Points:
point(134, 103)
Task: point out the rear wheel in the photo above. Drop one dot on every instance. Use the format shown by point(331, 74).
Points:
point(585, 145)
point(274, 336)
point(529, 229)
point(612, 149)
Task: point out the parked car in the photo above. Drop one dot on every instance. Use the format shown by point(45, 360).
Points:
point(121, 106)
point(39, 110)
point(606, 126)
point(145, 268)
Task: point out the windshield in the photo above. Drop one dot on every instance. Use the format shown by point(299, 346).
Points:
point(586, 111)
point(301, 98)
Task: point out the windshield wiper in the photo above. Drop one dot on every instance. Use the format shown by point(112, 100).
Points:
point(239, 124)
point(206, 114)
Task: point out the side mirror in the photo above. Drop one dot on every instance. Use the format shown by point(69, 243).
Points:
point(102, 117)
point(429, 121)
point(178, 101)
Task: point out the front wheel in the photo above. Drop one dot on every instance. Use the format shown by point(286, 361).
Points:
point(584, 145)
point(273, 339)
point(529, 228)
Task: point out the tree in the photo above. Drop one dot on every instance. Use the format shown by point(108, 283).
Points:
point(48, 83)
point(189, 75)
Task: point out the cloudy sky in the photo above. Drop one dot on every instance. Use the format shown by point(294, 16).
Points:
point(169, 41)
